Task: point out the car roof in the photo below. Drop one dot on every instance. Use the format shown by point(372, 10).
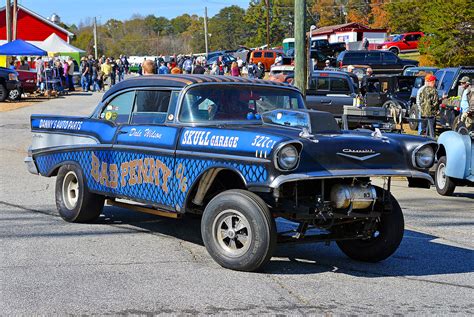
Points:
point(181, 81)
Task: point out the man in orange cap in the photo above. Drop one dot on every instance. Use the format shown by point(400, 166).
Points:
point(427, 101)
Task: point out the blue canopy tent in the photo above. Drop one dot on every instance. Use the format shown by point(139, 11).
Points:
point(20, 47)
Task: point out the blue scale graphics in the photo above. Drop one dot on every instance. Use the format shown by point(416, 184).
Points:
point(155, 178)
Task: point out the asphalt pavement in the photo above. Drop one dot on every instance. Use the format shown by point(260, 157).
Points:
point(132, 263)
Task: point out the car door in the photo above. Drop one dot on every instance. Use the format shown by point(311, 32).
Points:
point(391, 63)
point(374, 59)
point(145, 149)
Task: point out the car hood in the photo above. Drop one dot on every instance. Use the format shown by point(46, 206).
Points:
point(352, 152)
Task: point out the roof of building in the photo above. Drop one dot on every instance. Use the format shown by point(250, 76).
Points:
point(182, 80)
point(339, 27)
point(36, 15)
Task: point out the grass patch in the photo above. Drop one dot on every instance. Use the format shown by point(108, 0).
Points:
point(414, 56)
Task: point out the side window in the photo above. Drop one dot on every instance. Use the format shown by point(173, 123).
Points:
point(340, 85)
point(355, 58)
point(389, 58)
point(268, 54)
point(119, 108)
point(257, 54)
point(151, 106)
point(320, 83)
point(416, 37)
point(447, 80)
point(373, 58)
point(409, 37)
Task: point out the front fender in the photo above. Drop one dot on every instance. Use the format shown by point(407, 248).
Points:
point(458, 153)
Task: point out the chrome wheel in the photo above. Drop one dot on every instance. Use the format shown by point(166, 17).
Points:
point(70, 190)
point(441, 175)
point(232, 232)
point(14, 94)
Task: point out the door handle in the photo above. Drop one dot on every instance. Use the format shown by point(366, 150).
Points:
point(122, 132)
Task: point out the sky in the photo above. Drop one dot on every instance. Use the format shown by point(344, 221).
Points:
point(73, 12)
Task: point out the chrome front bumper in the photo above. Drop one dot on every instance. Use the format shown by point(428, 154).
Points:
point(349, 174)
point(30, 165)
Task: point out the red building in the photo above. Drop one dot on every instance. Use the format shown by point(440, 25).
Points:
point(32, 26)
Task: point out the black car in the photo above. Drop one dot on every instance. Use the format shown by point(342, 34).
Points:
point(329, 49)
point(240, 153)
point(382, 62)
point(386, 91)
point(10, 86)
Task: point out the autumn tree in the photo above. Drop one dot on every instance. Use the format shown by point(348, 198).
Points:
point(358, 11)
point(378, 14)
point(330, 12)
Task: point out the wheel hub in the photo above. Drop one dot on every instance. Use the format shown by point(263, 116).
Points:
point(70, 190)
point(441, 176)
point(232, 232)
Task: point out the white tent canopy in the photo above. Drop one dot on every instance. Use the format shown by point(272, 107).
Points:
point(55, 44)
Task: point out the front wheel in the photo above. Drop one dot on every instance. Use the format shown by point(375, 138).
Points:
point(444, 185)
point(384, 240)
point(238, 230)
point(74, 201)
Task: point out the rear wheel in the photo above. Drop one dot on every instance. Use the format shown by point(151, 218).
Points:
point(384, 240)
point(74, 201)
point(444, 185)
point(238, 230)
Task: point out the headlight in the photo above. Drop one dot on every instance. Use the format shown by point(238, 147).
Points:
point(384, 46)
point(287, 157)
point(12, 76)
point(424, 156)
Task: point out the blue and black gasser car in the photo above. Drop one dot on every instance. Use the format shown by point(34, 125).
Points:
point(238, 152)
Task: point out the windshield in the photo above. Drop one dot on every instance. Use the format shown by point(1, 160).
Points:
point(235, 103)
point(397, 38)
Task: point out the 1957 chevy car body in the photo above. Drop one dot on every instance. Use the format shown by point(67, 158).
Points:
point(237, 151)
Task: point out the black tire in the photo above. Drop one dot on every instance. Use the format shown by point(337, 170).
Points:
point(413, 115)
point(257, 239)
point(74, 201)
point(14, 94)
point(394, 50)
point(386, 239)
point(444, 184)
point(3, 93)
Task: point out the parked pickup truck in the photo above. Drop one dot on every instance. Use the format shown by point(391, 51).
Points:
point(332, 90)
point(329, 49)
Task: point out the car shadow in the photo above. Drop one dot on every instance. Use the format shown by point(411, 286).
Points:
point(419, 254)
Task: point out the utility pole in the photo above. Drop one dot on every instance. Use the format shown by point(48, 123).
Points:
point(300, 51)
point(14, 15)
point(267, 4)
point(205, 31)
point(8, 21)
point(95, 38)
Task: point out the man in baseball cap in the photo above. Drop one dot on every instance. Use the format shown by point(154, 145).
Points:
point(427, 102)
point(465, 98)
